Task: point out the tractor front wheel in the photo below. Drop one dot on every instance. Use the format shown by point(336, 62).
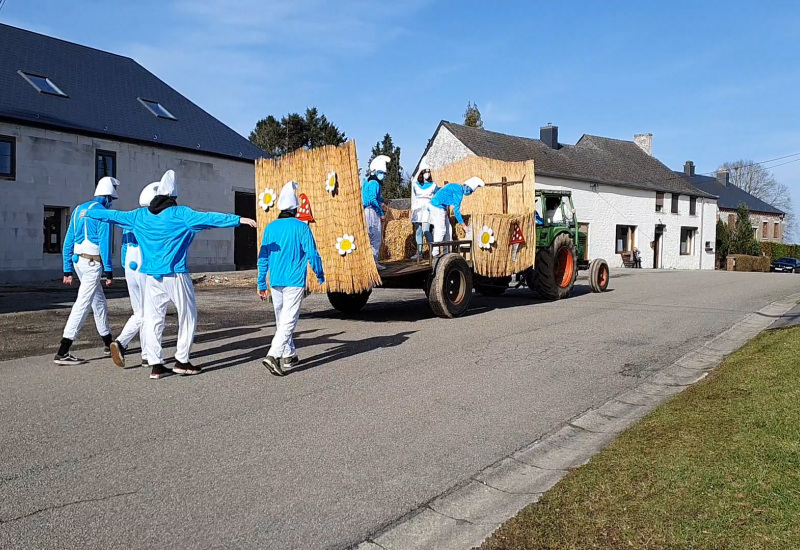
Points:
point(598, 275)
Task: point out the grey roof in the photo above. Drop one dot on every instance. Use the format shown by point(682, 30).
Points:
point(102, 90)
point(730, 196)
point(593, 159)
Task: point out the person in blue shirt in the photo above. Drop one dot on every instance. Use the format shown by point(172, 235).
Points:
point(164, 232)
point(372, 200)
point(450, 195)
point(131, 254)
point(87, 250)
point(287, 246)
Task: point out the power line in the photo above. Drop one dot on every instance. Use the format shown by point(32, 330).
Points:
point(2, 4)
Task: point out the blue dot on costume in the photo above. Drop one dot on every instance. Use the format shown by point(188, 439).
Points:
point(158, 277)
point(134, 266)
point(75, 258)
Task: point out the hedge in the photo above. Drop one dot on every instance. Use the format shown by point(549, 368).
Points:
point(780, 250)
point(750, 263)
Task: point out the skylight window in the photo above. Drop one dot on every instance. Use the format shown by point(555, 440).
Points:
point(156, 108)
point(42, 84)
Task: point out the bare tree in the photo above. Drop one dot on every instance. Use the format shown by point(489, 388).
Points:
point(758, 181)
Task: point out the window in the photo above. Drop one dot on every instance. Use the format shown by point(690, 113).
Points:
point(156, 108)
point(626, 236)
point(731, 220)
point(42, 84)
point(675, 203)
point(8, 157)
point(765, 230)
point(659, 202)
point(776, 231)
point(692, 206)
point(55, 225)
point(105, 165)
point(687, 240)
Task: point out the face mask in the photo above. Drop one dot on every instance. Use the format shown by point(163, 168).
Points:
point(380, 175)
point(426, 176)
point(467, 191)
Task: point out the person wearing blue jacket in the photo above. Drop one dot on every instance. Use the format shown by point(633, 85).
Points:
point(164, 232)
point(287, 246)
point(372, 201)
point(131, 254)
point(450, 195)
point(87, 251)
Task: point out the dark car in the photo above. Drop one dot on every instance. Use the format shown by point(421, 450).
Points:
point(786, 265)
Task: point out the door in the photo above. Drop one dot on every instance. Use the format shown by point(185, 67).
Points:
point(245, 238)
point(658, 236)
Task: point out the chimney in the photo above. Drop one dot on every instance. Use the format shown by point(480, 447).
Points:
point(688, 168)
point(645, 142)
point(724, 177)
point(549, 135)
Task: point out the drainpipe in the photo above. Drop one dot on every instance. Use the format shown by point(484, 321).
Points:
point(702, 227)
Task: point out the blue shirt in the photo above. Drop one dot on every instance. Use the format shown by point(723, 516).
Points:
point(165, 237)
point(450, 195)
point(286, 247)
point(371, 195)
point(98, 232)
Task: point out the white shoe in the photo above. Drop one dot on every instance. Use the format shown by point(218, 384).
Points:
point(380, 267)
point(414, 258)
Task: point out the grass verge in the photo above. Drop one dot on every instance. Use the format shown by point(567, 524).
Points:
point(716, 467)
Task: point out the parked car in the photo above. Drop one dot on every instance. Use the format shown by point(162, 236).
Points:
point(786, 265)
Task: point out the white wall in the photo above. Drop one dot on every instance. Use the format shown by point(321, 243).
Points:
point(58, 169)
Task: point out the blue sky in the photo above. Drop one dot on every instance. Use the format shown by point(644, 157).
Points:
point(712, 81)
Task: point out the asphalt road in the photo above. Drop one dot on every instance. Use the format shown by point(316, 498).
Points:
point(386, 412)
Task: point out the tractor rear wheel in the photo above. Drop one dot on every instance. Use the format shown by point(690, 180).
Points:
point(451, 286)
point(556, 269)
point(349, 304)
point(598, 275)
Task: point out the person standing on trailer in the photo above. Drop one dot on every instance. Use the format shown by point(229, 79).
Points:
point(287, 246)
point(422, 191)
point(450, 195)
point(165, 231)
point(372, 200)
point(87, 250)
point(131, 254)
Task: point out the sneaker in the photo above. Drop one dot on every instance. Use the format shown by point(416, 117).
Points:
point(68, 359)
point(414, 258)
point(289, 362)
point(272, 365)
point(118, 354)
point(159, 371)
point(146, 364)
point(185, 368)
point(380, 267)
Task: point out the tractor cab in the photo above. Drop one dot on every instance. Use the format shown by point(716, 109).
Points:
point(555, 214)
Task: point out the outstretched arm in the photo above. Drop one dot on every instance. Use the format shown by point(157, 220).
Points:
point(123, 219)
point(198, 221)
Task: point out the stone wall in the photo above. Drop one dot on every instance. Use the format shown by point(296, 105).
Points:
point(757, 222)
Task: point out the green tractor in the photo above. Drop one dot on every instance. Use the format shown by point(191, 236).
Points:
point(561, 249)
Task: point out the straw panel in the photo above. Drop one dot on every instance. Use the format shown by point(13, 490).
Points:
point(486, 208)
point(335, 214)
point(399, 240)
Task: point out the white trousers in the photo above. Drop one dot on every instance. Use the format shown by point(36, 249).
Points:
point(136, 289)
point(90, 295)
point(441, 228)
point(177, 289)
point(374, 231)
point(286, 301)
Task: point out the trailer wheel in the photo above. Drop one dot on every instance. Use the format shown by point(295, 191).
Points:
point(348, 303)
point(491, 287)
point(451, 286)
point(556, 269)
point(598, 275)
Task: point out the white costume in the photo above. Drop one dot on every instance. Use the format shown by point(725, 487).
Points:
point(136, 281)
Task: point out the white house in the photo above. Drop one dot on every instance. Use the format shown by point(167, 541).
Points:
point(70, 115)
point(624, 197)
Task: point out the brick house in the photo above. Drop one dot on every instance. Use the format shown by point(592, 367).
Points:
point(624, 196)
point(70, 115)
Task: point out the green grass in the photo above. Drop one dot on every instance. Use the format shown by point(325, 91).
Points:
point(716, 467)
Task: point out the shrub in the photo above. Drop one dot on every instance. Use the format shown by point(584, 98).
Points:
point(750, 263)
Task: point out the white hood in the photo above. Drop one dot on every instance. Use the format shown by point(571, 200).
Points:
point(287, 199)
point(379, 163)
point(148, 194)
point(107, 187)
point(168, 186)
point(474, 182)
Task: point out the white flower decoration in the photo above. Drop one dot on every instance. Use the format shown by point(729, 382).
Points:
point(330, 183)
point(485, 237)
point(345, 244)
point(266, 199)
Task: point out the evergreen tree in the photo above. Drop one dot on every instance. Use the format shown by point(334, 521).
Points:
point(723, 242)
point(394, 185)
point(472, 116)
point(743, 239)
point(295, 131)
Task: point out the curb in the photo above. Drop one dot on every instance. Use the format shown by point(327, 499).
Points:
point(464, 517)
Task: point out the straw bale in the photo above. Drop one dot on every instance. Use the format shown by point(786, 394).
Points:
point(334, 213)
point(399, 240)
point(396, 214)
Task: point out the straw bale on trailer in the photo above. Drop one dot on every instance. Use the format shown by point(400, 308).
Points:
point(335, 213)
point(399, 240)
point(485, 208)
